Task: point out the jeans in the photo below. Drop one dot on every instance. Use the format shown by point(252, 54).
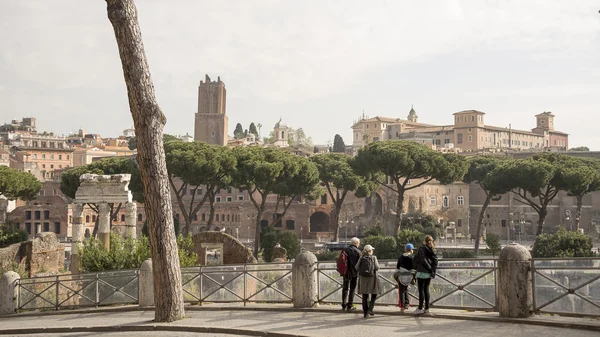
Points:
point(366, 306)
point(403, 298)
point(348, 289)
point(423, 284)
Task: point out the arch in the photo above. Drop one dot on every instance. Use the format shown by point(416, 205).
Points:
point(373, 204)
point(319, 222)
point(122, 217)
point(139, 217)
point(87, 218)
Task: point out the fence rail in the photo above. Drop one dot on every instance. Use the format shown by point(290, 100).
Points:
point(560, 286)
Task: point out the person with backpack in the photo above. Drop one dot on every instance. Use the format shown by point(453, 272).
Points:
point(405, 276)
point(425, 263)
point(368, 282)
point(346, 266)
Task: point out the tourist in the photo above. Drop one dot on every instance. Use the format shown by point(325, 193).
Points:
point(351, 276)
point(426, 265)
point(405, 276)
point(368, 282)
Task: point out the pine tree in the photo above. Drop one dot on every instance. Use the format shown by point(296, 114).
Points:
point(253, 129)
point(338, 144)
point(239, 131)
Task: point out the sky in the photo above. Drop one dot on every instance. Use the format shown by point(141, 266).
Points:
point(316, 64)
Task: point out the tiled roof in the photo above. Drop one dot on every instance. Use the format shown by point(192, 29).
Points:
point(497, 128)
point(432, 129)
point(469, 112)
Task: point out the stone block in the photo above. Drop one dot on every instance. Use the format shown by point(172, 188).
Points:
point(146, 285)
point(8, 292)
point(304, 280)
point(515, 288)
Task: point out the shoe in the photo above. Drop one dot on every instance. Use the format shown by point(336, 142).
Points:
point(343, 307)
point(426, 311)
point(402, 310)
point(371, 313)
point(366, 316)
point(419, 312)
point(350, 308)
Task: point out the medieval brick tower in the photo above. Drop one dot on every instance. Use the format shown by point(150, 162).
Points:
point(211, 123)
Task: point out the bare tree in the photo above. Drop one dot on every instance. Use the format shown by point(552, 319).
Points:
point(149, 122)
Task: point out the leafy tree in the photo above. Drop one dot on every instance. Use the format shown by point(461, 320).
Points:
point(409, 236)
point(198, 165)
point(580, 149)
point(493, 242)
point(264, 170)
point(404, 161)
point(132, 143)
point(15, 184)
point(376, 230)
point(252, 129)
point(268, 239)
point(337, 174)
point(238, 133)
point(270, 138)
point(149, 122)
point(9, 236)
point(291, 242)
point(581, 179)
point(563, 244)
point(479, 168)
point(385, 246)
point(297, 138)
point(338, 144)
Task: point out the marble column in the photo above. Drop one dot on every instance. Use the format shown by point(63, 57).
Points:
point(104, 224)
point(130, 220)
point(76, 236)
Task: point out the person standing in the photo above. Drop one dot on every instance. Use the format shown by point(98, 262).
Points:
point(426, 262)
point(406, 276)
point(351, 277)
point(368, 282)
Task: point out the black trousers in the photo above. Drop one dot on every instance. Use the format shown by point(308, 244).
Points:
point(367, 307)
point(403, 298)
point(423, 284)
point(348, 289)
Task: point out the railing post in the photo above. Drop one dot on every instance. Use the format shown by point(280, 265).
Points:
point(245, 284)
point(57, 292)
point(146, 285)
point(201, 285)
point(8, 292)
point(97, 290)
point(515, 289)
point(304, 280)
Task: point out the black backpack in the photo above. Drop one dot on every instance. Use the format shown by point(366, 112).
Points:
point(365, 267)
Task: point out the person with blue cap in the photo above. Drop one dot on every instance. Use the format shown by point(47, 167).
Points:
point(404, 276)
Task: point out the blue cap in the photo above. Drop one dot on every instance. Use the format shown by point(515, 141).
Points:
point(409, 246)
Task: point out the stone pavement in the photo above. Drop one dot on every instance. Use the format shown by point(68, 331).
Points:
point(283, 320)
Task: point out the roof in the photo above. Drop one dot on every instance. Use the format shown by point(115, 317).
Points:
point(497, 128)
point(469, 112)
point(433, 129)
point(390, 120)
point(558, 132)
point(545, 113)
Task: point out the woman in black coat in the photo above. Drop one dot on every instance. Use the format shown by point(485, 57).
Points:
point(425, 263)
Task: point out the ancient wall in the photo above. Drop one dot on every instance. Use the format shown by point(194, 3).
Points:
point(42, 255)
point(234, 252)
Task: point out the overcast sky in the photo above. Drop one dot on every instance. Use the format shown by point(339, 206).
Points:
point(316, 63)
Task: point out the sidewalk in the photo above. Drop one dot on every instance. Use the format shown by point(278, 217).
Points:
point(283, 320)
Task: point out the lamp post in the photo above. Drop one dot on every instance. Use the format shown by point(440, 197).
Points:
point(301, 234)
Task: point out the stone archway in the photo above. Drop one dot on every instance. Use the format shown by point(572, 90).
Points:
point(319, 222)
point(232, 250)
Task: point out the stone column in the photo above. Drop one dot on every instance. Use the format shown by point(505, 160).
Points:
point(76, 236)
point(146, 285)
point(104, 224)
point(515, 288)
point(38, 228)
point(304, 280)
point(8, 292)
point(130, 220)
point(3, 208)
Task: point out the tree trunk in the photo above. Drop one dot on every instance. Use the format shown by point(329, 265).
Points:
point(578, 212)
point(399, 211)
point(260, 211)
point(336, 217)
point(486, 203)
point(149, 123)
point(542, 218)
point(211, 213)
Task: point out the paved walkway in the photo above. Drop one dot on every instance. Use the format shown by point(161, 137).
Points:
point(274, 320)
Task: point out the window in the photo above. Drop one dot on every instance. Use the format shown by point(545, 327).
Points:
point(374, 125)
point(139, 217)
point(408, 182)
point(470, 138)
point(203, 216)
point(324, 199)
point(34, 157)
point(93, 218)
point(437, 133)
point(38, 215)
point(46, 214)
point(27, 215)
point(218, 199)
point(60, 157)
point(432, 200)
point(265, 223)
point(446, 141)
point(503, 223)
point(122, 217)
point(216, 217)
point(290, 225)
point(460, 200)
point(472, 118)
point(191, 191)
point(228, 217)
point(57, 227)
point(240, 197)
point(199, 191)
point(445, 202)
point(212, 134)
point(470, 130)
point(43, 166)
point(195, 216)
point(43, 156)
point(52, 156)
point(68, 157)
point(229, 199)
point(459, 138)
point(46, 227)
point(229, 190)
point(87, 218)
point(28, 227)
point(459, 222)
point(438, 141)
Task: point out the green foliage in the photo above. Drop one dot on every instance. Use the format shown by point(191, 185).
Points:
point(116, 165)
point(238, 133)
point(291, 242)
point(132, 143)
point(9, 236)
point(410, 236)
point(268, 239)
point(563, 244)
point(493, 242)
point(327, 256)
point(128, 253)
point(15, 184)
point(297, 138)
point(376, 230)
point(252, 129)
point(459, 254)
point(385, 246)
point(338, 144)
point(579, 149)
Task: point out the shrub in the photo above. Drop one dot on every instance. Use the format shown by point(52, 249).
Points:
point(268, 239)
point(493, 242)
point(385, 246)
point(9, 236)
point(458, 254)
point(409, 236)
point(327, 256)
point(291, 242)
point(563, 244)
point(376, 230)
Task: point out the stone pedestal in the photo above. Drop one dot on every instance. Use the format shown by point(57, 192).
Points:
point(104, 225)
point(76, 237)
point(146, 285)
point(8, 292)
point(304, 280)
point(515, 290)
point(130, 220)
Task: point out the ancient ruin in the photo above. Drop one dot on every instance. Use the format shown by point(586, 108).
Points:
point(229, 249)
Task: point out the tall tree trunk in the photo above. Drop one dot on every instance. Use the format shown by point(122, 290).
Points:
point(259, 215)
point(336, 216)
point(399, 211)
point(211, 213)
point(578, 212)
point(486, 203)
point(542, 218)
point(149, 123)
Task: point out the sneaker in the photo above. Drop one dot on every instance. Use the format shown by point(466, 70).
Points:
point(371, 313)
point(350, 308)
point(418, 312)
point(401, 310)
point(426, 311)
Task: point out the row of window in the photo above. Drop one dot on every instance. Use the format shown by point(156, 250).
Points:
point(466, 118)
point(60, 156)
point(37, 215)
point(31, 229)
point(51, 166)
point(460, 200)
point(204, 217)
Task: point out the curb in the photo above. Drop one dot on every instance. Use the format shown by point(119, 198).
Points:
point(139, 328)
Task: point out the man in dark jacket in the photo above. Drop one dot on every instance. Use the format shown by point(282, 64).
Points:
point(351, 277)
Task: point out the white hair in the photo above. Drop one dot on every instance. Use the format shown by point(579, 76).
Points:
point(355, 241)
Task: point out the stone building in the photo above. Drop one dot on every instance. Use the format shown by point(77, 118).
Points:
point(40, 155)
point(469, 133)
point(211, 121)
